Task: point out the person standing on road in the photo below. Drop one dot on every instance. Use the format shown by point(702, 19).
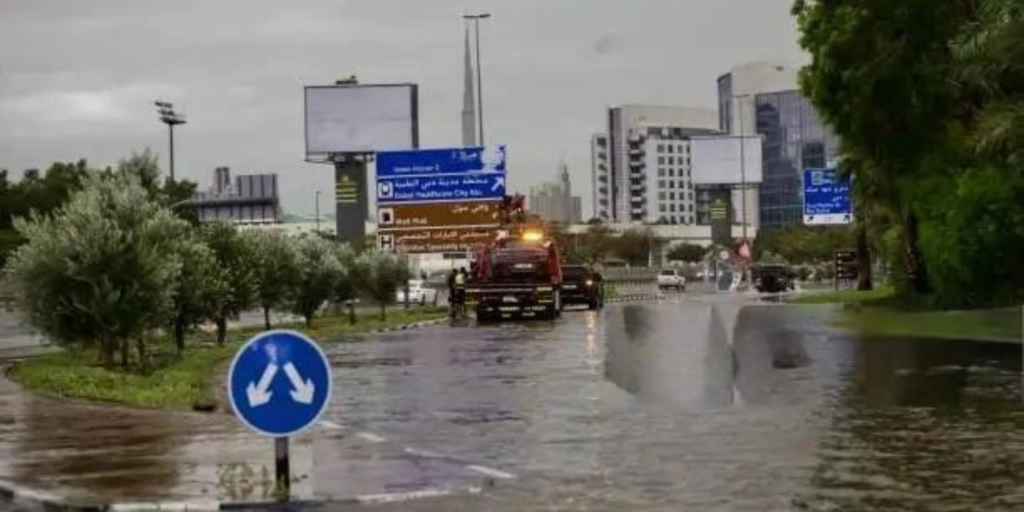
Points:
point(460, 291)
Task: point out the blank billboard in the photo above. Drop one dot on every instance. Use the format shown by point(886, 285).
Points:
point(718, 160)
point(360, 119)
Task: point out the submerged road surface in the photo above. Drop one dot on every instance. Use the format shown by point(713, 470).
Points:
point(697, 405)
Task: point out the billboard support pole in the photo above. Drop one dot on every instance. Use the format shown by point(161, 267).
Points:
point(350, 187)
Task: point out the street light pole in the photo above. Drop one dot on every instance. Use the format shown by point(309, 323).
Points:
point(743, 166)
point(171, 118)
point(479, 77)
point(317, 212)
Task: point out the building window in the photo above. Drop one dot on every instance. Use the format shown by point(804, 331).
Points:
point(691, 207)
point(661, 148)
point(661, 160)
point(661, 196)
point(661, 208)
point(672, 208)
point(661, 183)
point(661, 172)
point(672, 173)
point(669, 148)
point(672, 196)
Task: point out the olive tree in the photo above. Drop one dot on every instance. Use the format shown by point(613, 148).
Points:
point(318, 271)
point(236, 267)
point(199, 285)
point(101, 270)
point(276, 270)
point(382, 273)
point(346, 285)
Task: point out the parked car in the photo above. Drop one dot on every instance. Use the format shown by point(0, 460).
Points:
point(419, 293)
point(580, 285)
point(671, 278)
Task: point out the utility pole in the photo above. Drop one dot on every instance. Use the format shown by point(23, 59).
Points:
point(743, 166)
point(475, 18)
point(171, 118)
point(317, 208)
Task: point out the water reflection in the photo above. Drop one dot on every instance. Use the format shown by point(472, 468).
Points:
point(99, 450)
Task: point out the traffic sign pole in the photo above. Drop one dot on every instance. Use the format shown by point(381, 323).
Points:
point(282, 469)
point(279, 384)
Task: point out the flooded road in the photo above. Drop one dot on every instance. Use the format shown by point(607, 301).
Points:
point(695, 405)
point(700, 402)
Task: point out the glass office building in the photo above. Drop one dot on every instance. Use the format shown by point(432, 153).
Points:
point(794, 139)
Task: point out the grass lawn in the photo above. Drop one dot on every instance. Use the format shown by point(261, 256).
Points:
point(181, 383)
point(844, 296)
point(1003, 325)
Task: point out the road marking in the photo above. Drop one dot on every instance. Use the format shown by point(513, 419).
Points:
point(331, 425)
point(396, 497)
point(425, 453)
point(371, 437)
point(484, 470)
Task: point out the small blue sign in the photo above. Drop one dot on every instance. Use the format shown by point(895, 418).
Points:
point(279, 383)
point(826, 197)
point(454, 161)
point(440, 188)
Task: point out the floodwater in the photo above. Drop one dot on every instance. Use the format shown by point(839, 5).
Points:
point(700, 405)
point(699, 402)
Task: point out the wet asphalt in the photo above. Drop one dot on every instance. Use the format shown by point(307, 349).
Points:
point(699, 402)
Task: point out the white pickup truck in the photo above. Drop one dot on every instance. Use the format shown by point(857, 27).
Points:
point(671, 278)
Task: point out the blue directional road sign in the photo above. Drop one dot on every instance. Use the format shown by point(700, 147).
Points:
point(826, 197)
point(440, 188)
point(279, 383)
point(433, 162)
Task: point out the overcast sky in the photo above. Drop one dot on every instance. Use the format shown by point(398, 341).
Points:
point(77, 78)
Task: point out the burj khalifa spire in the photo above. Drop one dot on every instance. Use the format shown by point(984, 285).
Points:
point(469, 136)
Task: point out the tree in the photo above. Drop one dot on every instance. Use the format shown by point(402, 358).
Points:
point(346, 284)
point(689, 253)
point(595, 243)
point(200, 282)
point(101, 270)
point(236, 262)
point(318, 271)
point(275, 269)
point(383, 274)
point(878, 75)
point(636, 246)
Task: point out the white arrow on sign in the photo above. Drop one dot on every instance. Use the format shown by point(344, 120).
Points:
point(303, 392)
point(498, 183)
point(257, 393)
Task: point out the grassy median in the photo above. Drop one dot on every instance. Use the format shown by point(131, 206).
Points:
point(881, 315)
point(186, 382)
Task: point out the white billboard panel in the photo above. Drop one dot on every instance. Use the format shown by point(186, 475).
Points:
point(360, 118)
point(717, 160)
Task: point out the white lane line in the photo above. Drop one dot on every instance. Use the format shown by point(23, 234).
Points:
point(331, 425)
point(371, 437)
point(397, 497)
point(425, 453)
point(484, 470)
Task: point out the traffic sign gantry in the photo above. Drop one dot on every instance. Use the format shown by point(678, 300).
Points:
point(279, 383)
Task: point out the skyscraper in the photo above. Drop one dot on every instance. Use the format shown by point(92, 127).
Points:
point(554, 200)
point(762, 98)
point(469, 135)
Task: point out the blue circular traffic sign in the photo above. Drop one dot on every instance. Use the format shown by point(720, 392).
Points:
point(279, 383)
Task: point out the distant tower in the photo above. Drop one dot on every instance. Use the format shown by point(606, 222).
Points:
point(468, 102)
point(566, 192)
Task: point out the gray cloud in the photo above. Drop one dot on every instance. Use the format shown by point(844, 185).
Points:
point(77, 78)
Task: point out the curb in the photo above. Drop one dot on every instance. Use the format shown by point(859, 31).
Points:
point(405, 327)
point(635, 298)
point(22, 499)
